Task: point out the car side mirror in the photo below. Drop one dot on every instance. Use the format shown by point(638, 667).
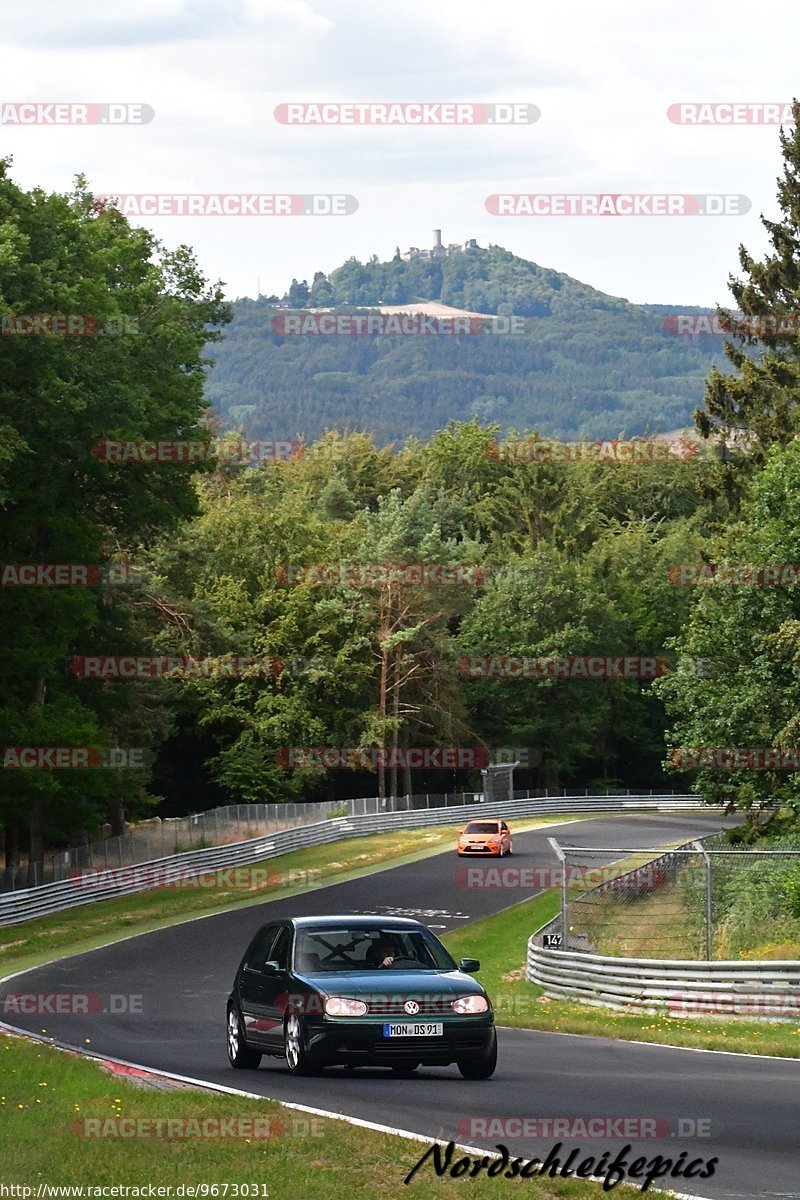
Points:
point(469, 965)
point(271, 967)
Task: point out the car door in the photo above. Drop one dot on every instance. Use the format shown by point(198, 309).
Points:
point(275, 986)
point(251, 985)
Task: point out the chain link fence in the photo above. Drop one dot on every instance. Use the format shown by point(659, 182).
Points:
point(693, 901)
point(157, 838)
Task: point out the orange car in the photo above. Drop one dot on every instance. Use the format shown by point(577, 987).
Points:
point(485, 837)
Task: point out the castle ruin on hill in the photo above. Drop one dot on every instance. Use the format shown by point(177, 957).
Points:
point(437, 250)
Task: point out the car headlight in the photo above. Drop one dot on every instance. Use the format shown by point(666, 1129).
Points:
point(471, 1004)
point(344, 1006)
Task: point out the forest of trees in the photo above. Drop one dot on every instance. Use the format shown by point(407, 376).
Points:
point(586, 365)
point(583, 558)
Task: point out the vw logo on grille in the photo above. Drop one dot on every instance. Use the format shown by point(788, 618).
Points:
point(411, 1007)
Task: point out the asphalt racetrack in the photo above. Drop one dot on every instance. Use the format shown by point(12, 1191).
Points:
point(183, 975)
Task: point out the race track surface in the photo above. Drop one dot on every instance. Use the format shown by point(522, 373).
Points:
point(183, 975)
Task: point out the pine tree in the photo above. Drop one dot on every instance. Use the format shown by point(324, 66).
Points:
point(759, 406)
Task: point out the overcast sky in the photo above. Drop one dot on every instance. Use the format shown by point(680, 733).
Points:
point(603, 76)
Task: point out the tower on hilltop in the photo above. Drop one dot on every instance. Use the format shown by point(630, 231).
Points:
point(438, 249)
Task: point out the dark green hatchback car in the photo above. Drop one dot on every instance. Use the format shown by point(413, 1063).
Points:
point(358, 991)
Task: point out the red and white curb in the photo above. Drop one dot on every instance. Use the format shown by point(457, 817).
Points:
point(147, 1076)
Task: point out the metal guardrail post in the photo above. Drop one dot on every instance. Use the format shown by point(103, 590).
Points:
point(709, 899)
point(562, 858)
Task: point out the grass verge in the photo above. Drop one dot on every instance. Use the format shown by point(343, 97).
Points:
point(46, 1096)
point(91, 925)
point(500, 942)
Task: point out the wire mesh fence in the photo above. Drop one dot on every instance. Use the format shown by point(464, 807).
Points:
point(157, 838)
point(697, 900)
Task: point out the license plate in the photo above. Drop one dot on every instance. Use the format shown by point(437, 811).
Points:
point(411, 1029)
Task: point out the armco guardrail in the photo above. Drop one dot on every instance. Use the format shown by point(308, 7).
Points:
point(16, 907)
point(230, 823)
point(680, 988)
point(768, 990)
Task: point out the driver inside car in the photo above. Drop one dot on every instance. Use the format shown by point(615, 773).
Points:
point(382, 953)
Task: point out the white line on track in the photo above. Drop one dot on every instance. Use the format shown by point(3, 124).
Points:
point(203, 1085)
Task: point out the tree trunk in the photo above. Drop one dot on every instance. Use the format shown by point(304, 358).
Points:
point(36, 816)
point(11, 844)
point(406, 768)
point(395, 713)
point(36, 842)
point(382, 702)
point(119, 826)
point(383, 631)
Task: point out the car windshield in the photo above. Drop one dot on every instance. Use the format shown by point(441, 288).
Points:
point(368, 949)
point(481, 827)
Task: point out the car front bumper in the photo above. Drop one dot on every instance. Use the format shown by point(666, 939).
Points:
point(362, 1041)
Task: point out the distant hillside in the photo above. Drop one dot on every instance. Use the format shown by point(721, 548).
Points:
point(588, 364)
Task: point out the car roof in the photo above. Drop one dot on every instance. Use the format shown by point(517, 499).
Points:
point(369, 921)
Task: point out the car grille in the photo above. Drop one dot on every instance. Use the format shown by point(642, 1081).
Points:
point(429, 1006)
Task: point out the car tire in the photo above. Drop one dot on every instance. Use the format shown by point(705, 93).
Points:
point(298, 1059)
point(510, 849)
point(481, 1068)
point(405, 1068)
point(240, 1055)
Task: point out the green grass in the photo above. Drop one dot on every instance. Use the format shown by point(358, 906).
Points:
point(500, 942)
point(90, 925)
point(46, 1096)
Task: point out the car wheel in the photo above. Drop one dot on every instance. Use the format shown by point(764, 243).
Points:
point(480, 1068)
point(405, 1068)
point(239, 1053)
point(298, 1060)
point(508, 851)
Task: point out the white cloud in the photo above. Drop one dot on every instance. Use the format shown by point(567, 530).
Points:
point(603, 78)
